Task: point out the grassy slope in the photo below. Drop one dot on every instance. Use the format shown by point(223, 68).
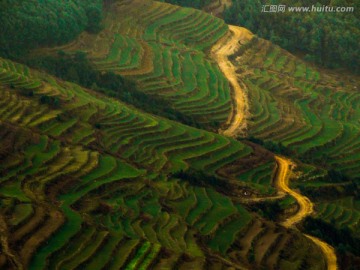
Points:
point(312, 112)
point(139, 42)
point(105, 142)
point(82, 168)
point(315, 113)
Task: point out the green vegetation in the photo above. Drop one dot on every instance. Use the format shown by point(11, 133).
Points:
point(344, 213)
point(32, 23)
point(315, 34)
point(69, 181)
point(189, 3)
point(168, 67)
point(116, 162)
point(78, 69)
point(342, 239)
point(260, 177)
point(300, 111)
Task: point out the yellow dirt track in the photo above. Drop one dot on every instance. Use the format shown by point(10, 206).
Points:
point(221, 51)
point(305, 205)
point(306, 208)
point(328, 252)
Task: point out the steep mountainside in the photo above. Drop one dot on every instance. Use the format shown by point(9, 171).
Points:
point(159, 137)
point(79, 168)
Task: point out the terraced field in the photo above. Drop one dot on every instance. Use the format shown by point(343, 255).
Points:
point(139, 42)
point(345, 213)
point(86, 184)
point(314, 113)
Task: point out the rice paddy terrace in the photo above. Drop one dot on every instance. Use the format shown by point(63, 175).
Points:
point(314, 113)
point(344, 212)
point(89, 182)
point(163, 48)
point(86, 184)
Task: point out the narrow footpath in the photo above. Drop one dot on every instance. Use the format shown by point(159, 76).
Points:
point(221, 51)
point(306, 207)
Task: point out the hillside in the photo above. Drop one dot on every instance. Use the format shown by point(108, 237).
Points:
point(159, 137)
point(163, 63)
point(85, 170)
point(312, 35)
point(326, 111)
point(313, 113)
point(29, 24)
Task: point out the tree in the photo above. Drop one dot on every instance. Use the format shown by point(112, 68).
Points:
point(94, 15)
point(29, 24)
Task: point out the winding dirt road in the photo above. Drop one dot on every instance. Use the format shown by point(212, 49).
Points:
point(328, 252)
point(306, 207)
point(221, 51)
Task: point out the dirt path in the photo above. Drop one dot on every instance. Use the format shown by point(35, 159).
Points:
point(327, 250)
point(306, 208)
point(305, 205)
point(221, 51)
